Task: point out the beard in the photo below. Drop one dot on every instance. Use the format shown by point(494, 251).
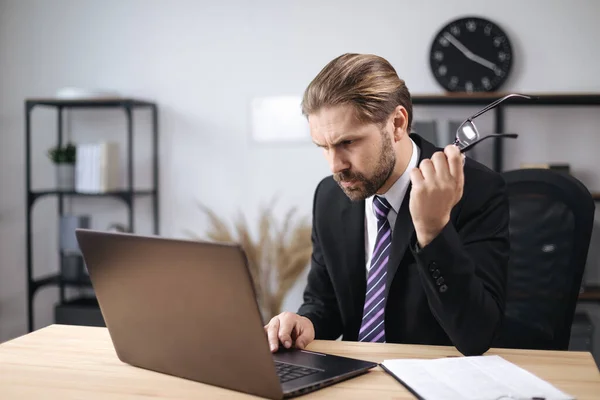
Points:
point(366, 187)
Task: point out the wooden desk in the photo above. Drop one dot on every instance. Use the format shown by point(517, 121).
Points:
point(66, 362)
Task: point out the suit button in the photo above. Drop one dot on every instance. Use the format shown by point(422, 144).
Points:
point(436, 274)
point(432, 266)
point(443, 288)
point(440, 280)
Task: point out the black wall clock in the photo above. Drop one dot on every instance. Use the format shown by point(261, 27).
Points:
point(471, 54)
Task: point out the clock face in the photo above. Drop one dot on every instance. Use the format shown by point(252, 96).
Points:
point(471, 55)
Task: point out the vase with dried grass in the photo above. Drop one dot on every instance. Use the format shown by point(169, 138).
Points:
point(276, 257)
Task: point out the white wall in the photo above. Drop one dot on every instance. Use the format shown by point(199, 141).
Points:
point(204, 61)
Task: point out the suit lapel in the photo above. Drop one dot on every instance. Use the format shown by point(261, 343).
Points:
point(353, 223)
point(403, 230)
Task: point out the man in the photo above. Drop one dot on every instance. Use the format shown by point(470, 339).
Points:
point(410, 242)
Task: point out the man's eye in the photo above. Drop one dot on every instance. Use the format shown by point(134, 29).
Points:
point(347, 142)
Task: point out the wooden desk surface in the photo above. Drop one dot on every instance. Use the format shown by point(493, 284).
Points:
point(67, 362)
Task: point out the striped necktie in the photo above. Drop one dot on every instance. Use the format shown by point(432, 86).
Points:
point(373, 328)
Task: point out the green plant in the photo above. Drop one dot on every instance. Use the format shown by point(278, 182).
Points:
point(63, 155)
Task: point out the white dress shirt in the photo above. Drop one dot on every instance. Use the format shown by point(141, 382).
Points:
point(394, 196)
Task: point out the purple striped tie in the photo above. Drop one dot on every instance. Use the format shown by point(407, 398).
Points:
point(373, 328)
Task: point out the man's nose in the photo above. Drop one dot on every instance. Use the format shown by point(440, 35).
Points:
point(337, 162)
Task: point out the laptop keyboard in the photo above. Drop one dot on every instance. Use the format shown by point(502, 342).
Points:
point(287, 372)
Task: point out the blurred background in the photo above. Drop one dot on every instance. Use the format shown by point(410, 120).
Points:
point(225, 79)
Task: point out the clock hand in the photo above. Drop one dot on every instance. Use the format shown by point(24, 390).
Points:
point(483, 62)
point(468, 53)
point(458, 45)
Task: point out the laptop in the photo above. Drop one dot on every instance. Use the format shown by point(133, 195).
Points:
point(188, 309)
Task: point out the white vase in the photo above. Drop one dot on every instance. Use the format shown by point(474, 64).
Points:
point(65, 177)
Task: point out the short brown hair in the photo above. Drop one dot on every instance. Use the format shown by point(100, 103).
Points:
point(367, 82)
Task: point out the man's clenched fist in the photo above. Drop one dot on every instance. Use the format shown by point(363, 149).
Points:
point(437, 185)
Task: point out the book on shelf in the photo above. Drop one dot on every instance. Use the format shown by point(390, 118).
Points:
point(97, 167)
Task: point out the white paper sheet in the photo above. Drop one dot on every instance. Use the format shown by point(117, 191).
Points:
point(471, 378)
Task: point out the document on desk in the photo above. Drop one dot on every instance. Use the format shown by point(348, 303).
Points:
point(466, 378)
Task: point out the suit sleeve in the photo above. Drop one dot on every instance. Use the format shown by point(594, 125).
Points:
point(320, 303)
point(463, 271)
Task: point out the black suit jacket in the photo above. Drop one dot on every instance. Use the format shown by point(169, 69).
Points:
point(451, 292)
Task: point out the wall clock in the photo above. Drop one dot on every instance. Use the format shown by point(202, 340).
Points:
point(471, 54)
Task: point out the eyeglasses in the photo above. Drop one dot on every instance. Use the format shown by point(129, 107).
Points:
point(467, 135)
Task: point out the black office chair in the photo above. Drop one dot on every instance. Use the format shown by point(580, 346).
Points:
point(551, 220)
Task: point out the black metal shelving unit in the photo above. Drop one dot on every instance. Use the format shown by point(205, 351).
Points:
point(127, 195)
point(483, 99)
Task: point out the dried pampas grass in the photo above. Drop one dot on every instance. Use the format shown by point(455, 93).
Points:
point(276, 258)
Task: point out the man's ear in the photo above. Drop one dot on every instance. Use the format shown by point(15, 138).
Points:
point(400, 123)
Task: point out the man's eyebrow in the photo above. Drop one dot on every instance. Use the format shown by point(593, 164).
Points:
point(338, 141)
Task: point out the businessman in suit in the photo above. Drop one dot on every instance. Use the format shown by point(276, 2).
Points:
point(410, 242)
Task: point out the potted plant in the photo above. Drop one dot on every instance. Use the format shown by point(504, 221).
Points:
point(63, 158)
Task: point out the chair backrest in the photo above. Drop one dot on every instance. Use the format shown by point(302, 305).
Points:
point(551, 221)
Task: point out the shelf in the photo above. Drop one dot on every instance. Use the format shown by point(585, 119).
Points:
point(108, 102)
point(596, 196)
point(590, 293)
point(73, 277)
point(122, 194)
point(38, 193)
point(543, 99)
point(46, 281)
point(56, 280)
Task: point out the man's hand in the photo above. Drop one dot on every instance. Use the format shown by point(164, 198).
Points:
point(291, 330)
point(437, 185)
